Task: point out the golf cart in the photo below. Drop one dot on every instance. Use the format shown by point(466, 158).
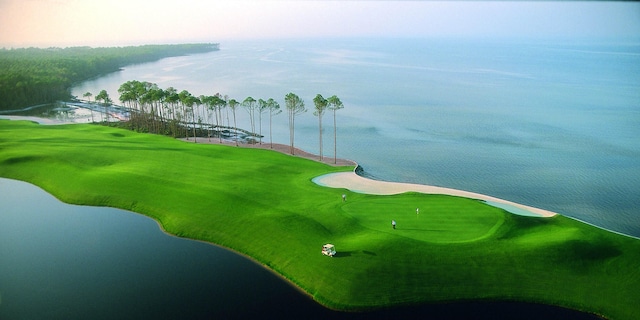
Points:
point(328, 250)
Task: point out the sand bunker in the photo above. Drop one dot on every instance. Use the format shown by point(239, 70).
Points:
point(356, 183)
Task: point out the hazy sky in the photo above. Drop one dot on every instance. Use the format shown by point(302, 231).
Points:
point(125, 22)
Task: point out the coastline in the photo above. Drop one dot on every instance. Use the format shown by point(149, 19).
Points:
point(357, 183)
point(279, 147)
point(341, 314)
point(38, 120)
point(351, 180)
point(303, 184)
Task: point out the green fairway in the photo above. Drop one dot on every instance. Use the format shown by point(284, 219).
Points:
point(264, 204)
point(443, 219)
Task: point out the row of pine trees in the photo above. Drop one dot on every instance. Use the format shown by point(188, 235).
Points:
point(182, 114)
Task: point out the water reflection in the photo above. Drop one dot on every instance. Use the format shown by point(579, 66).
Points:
point(72, 262)
point(62, 261)
point(71, 112)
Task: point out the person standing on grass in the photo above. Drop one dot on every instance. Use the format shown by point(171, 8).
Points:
point(393, 223)
point(344, 197)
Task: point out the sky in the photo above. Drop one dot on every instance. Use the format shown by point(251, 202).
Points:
point(43, 23)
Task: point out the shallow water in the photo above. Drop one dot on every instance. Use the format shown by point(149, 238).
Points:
point(547, 124)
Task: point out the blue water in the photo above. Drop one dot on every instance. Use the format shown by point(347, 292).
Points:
point(550, 124)
point(60, 261)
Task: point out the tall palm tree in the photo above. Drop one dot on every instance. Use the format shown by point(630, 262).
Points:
point(262, 108)
point(321, 105)
point(104, 97)
point(226, 104)
point(88, 96)
point(233, 105)
point(127, 98)
point(158, 95)
point(274, 109)
point(295, 106)
point(194, 104)
point(172, 98)
point(131, 94)
point(151, 95)
point(197, 103)
point(219, 104)
point(250, 104)
point(187, 100)
point(209, 107)
point(335, 104)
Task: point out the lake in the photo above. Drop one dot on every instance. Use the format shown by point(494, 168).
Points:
point(549, 124)
point(60, 261)
point(546, 123)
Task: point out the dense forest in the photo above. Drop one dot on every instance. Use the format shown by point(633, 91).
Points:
point(32, 76)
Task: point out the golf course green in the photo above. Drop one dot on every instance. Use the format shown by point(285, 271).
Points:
point(263, 204)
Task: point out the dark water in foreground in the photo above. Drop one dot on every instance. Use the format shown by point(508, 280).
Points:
point(60, 261)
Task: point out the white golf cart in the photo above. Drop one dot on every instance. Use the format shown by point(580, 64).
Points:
point(328, 250)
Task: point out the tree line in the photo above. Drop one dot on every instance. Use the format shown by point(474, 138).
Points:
point(182, 114)
point(31, 76)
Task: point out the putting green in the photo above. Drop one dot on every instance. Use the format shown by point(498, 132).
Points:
point(441, 219)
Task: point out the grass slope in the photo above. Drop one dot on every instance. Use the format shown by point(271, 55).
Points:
point(263, 204)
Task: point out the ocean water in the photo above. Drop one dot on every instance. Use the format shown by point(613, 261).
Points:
point(547, 123)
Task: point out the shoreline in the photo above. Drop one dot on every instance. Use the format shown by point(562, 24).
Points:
point(360, 184)
point(339, 312)
point(38, 120)
point(302, 182)
point(282, 148)
point(357, 183)
point(278, 147)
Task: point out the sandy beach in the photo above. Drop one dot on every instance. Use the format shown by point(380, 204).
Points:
point(356, 183)
point(350, 180)
point(282, 148)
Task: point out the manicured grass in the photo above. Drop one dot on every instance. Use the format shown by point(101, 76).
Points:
point(263, 204)
point(443, 219)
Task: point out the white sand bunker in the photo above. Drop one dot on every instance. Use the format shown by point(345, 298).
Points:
point(356, 183)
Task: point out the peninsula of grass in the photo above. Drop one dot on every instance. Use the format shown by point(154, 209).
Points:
point(263, 204)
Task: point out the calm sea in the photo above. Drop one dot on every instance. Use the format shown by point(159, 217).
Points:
point(551, 124)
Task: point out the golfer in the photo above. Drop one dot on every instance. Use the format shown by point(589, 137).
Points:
point(393, 223)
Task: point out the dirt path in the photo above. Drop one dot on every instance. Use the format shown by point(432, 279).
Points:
point(282, 148)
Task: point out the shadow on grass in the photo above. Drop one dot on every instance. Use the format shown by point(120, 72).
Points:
point(344, 254)
point(425, 230)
